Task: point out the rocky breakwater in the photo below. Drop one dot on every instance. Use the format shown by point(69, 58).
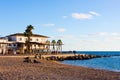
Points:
point(71, 57)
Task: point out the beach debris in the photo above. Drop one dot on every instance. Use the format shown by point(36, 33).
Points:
point(28, 60)
point(35, 61)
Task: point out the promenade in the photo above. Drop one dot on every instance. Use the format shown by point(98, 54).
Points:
point(44, 56)
point(56, 57)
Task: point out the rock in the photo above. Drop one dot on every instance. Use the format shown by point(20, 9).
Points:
point(27, 59)
point(35, 61)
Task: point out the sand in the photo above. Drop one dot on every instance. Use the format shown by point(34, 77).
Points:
point(15, 69)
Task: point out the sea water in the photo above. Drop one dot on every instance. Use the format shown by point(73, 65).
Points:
point(111, 63)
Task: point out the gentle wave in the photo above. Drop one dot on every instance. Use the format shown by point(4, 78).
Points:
point(109, 63)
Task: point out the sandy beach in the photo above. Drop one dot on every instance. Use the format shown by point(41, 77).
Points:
point(13, 68)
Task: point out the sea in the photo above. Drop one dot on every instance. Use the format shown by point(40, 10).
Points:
point(111, 63)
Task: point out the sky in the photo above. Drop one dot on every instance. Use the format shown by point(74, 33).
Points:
point(84, 25)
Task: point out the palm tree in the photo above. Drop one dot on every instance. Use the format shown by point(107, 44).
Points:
point(28, 33)
point(48, 45)
point(59, 44)
point(53, 44)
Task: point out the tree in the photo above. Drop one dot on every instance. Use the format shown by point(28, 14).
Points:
point(53, 44)
point(48, 45)
point(28, 33)
point(59, 45)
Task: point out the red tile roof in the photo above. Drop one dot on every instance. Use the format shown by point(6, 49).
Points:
point(21, 34)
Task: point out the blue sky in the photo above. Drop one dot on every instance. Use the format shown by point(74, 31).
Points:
point(81, 24)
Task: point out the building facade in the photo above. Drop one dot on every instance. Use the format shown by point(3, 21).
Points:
point(16, 43)
point(4, 45)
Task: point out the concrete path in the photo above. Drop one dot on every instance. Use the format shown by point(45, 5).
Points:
point(44, 56)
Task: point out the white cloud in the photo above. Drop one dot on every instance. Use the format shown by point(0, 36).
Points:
point(64, 17)
point(98, 34)
point(94, 13)
point(102, 33)
point(48, 25)
point(105, 36)
point(114, 34)
point(112, 38)
point(102, 41)
point(89, 15)
point(90, 41)
point(65, 37)
point(81, 16)
point(61, 30)
point(116, 38)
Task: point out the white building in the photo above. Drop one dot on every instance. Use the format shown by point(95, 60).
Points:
point(3, 45)
point(15, 43)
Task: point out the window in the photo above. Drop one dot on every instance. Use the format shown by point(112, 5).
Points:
point(14, 44)
point(34, 45)
point(30, 39)
point(10, 45)
point(20, 39)
point(37, 39)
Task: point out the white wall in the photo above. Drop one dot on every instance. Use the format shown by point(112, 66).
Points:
point(23, 39)
point(3, 47)
point(34, 39)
